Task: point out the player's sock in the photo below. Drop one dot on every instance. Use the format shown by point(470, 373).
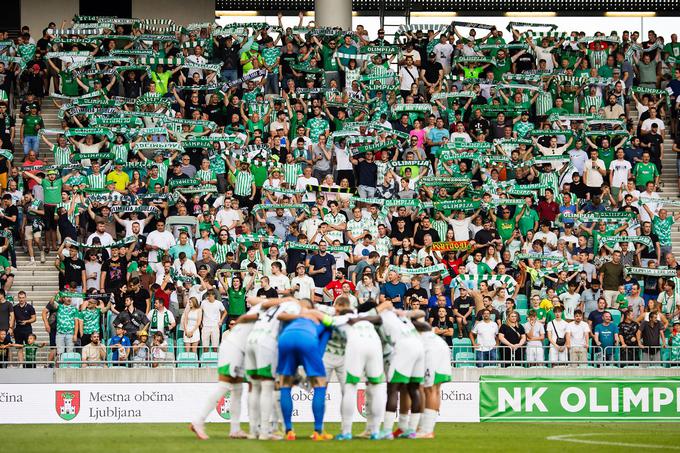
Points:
point(278, 416)
point(236, 397)
point(254, 407)
point(266, 406)
point(319, 407)
point(413, 421)
point(390, 416)
point(211, 402)
point(429, 420)
point(287, 408)
point(349, 399)
point(403, 422)
point(378, 400)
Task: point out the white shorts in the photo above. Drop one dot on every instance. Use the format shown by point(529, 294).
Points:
point(407, 364)
point(261, 357)
point(364, 358)
point(230, 359)
point(334, 362)
point(437, 360)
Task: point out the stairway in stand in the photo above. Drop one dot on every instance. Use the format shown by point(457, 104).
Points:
point(41, 282)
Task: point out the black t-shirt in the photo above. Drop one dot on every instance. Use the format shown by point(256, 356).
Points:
point(139, 298)
point(420, 293)
point(463, 304)
point(23, 314)
point(230, 55)
point(73, 270)
point(647, 252)
point(268, 293)
point(11, 211)
point(485, 236)
point(367, 173)
point(286, 60)
point(116, 273)
point(5, 309)
point(512, 334)
point(432, 71)
point(443, 324)
point(421, 234)
point(408, 225)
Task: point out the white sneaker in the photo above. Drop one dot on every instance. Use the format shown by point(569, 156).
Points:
point(32, 263)
point(42, 256)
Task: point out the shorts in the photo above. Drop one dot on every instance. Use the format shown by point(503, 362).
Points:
point(261, 357)
point(366, 357)
point(334, 362)
point(437, 360)
point(407, 364)
point(297, 348)
point(50, 221)
point(230, 359)
point(21, 335)
point(29, 234)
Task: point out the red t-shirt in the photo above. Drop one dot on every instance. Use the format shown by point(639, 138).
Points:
point(336, 287)
point(547, 211)
point(36, 163)
point(161, 295)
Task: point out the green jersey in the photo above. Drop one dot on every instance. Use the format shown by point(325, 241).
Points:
point(66, 315)
point(31, 124)
point(52, 191)
point(62, 155)
point(91, 320)
point(662, 228)
point(644, 173)
point(243, 182)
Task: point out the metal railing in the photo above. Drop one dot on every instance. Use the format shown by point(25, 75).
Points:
point(462, 356)
point(547, 356)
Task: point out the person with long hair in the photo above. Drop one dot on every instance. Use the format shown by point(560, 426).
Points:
point(191, 325)
point(512, 338)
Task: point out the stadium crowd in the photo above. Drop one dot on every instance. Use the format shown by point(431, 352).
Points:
point(506, 182)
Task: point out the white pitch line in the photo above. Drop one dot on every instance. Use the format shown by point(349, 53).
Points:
point(570, 438)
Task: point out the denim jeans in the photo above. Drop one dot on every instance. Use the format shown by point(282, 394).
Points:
point(64, 343)
point(229, 74)
point(486, 356)
point(366, 191)
point(272, 84)
point(31, 142)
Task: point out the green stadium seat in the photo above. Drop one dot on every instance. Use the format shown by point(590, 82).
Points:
point(465, 359)
point(70, 360)
point(521, 302)
point(171, 347)
point(209, 360)
point(187, 360)
point(460, 345)
point(522, 312)
point(179, 345)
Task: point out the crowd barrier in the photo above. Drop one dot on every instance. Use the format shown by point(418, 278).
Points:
point(490, 399)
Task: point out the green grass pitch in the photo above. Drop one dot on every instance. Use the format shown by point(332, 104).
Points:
point(451, 437)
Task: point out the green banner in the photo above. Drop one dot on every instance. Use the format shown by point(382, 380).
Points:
point(504, 398)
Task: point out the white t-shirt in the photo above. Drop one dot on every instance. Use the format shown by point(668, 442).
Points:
point(306, 286)
point(307, 197)
point(105, 238)
point(486, 335)
point(443, 53)
point(461, 229)
point(555, 329)
point(342, 158)
point(620, 169)
point(226, 217)
point(570, 302)
point(279, 282)
point(647, 124)
point(163, 240)
point(407, 76)
point(578, 334)
point(593, 177)
point(211, 313)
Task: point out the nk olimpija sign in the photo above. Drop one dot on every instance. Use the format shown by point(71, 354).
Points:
point(582, 399)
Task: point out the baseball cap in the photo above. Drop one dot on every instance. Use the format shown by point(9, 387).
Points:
point(52, 172)
point(255, 46)
point(119, 162)
point(36, 67)
point(119, 326)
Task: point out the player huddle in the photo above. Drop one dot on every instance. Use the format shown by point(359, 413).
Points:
point(402, 360)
